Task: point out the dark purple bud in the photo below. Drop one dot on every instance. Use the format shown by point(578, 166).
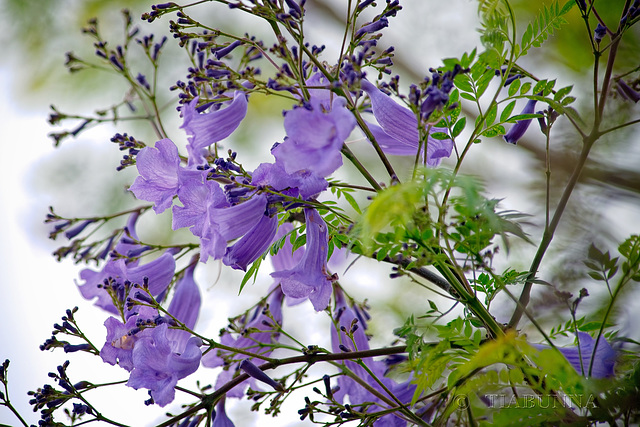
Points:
point(70, 234)
point(364, 4)
point(163, 6)
point(599, 33)
point(80, 409)
point(327, 386)
point(255, 372)
point(517, 131)
point(543, 124)
point(372, 27)
point(143, 81)
point(221, 53)
point(68, 348)
point(116, 62)
point(295, 8)
point(627, 91)
point(511, 78)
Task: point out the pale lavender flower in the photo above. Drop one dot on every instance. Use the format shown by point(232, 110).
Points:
point(118, 346)
point(185, 306)
point(208, 128)
point(310, 278)
point(211, 218)
point(198, 198)
point(315, 138)
point(159, 273)
point(303, 183)
point(398, 131)
point(121, 338)
point(158, 364)
point(158, 180)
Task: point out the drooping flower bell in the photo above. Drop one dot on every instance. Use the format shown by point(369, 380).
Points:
point(310, 278)
point(398, 131)
point(517, 131)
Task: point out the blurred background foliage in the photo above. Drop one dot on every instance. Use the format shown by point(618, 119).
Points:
point(603, 209)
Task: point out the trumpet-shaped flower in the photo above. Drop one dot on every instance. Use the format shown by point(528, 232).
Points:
point(517, 131)
point(398, 131)
point(315, 138)
point(158, 364)
point(208, 128)
point(310, 278)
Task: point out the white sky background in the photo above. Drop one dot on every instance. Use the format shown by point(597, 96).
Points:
point(36, 289)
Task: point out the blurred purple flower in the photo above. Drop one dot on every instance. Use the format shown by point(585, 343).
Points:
point(605, 356)
point(221, 419)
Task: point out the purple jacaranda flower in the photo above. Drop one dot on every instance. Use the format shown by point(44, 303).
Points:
point(158, 180)
point(310, 278)
point(121, 338)
point(259, 330)
point(303, 184)
point(198, 198)
point(118, 346)
point(348, 319)
point(221, 419)
point(185, 306)
point(208, 128)
point(210, 217)
point(517, 131)
point(398, 131)
point(253, 244)
point(604, 358)
point(158, 272)
point(158, 364)
point(315, 138)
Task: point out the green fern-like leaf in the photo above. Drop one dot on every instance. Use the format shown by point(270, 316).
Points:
point(548, 20)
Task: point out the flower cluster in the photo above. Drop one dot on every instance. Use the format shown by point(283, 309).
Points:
point(288, 208)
